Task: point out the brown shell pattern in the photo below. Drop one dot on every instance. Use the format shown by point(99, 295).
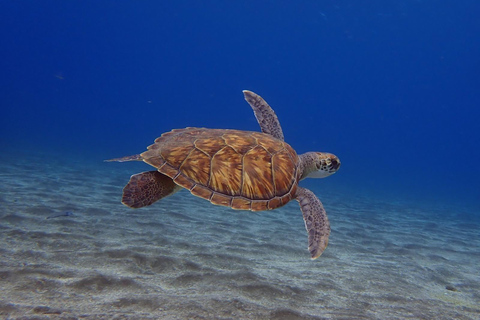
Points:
point(240, 169)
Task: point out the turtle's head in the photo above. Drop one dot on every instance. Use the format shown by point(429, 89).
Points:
point(318, 164)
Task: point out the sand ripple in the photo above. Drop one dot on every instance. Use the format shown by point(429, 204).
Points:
point(185, 259)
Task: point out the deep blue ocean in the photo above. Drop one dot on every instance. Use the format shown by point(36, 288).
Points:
point(391, 87)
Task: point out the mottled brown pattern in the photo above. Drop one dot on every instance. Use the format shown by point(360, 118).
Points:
point(283, 170)
point(166, 136)
point(168, 170)
point(292, 152)
point(275, 203)
point(240, 143)
point(197, 167)
point(184, 181)
point(286, 198)
point(175, 155)
point(226, 174)
point(221, 199)
point(210, 145)
point(202, 192)
point(240, 203)
point(145, 188)
point(259, 205)
point(257, 175)
point(228, 167)
point(155, 161)
point(270, 145)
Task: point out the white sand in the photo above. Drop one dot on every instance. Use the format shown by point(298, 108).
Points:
point(183, 258)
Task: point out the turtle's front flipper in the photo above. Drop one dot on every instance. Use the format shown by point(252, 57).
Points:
point(266, 117)
point(316, 221)
point(145, 188)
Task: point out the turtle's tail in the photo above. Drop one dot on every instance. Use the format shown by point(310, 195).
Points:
point(136, 157)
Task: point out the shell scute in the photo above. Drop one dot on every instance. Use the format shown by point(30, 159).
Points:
point(239, 203)
point(241, 143)
point(210, 145)
point(221, 200)
point(275, 203)
point(185, 182)
point(285, 172)
point(174, 135)
point(270, 145)
point(226, 171)
point(291, 152)
point(196, 167)
point(176, 155)
point(257, 174)
point(259, 205)
point(202, 192)
point(168, 170)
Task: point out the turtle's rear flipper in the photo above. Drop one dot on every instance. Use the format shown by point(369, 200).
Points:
point(135, 157)
point(145, 188)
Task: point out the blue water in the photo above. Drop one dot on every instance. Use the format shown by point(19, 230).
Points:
point(391, 87)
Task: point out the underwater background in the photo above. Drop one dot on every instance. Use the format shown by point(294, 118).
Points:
point(391, 87)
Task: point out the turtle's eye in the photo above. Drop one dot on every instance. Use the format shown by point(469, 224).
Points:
point(318, 165)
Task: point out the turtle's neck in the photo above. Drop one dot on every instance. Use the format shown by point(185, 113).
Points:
point(307, 164)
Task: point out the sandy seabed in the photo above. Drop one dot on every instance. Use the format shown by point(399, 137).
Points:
point(183, 258)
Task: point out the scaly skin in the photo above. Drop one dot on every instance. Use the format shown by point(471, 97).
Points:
point(316, 221)
point(318, 164)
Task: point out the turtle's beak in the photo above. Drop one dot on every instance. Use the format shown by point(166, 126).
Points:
point(334, 162)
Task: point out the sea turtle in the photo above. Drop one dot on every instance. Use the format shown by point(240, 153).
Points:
point(240, 169)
